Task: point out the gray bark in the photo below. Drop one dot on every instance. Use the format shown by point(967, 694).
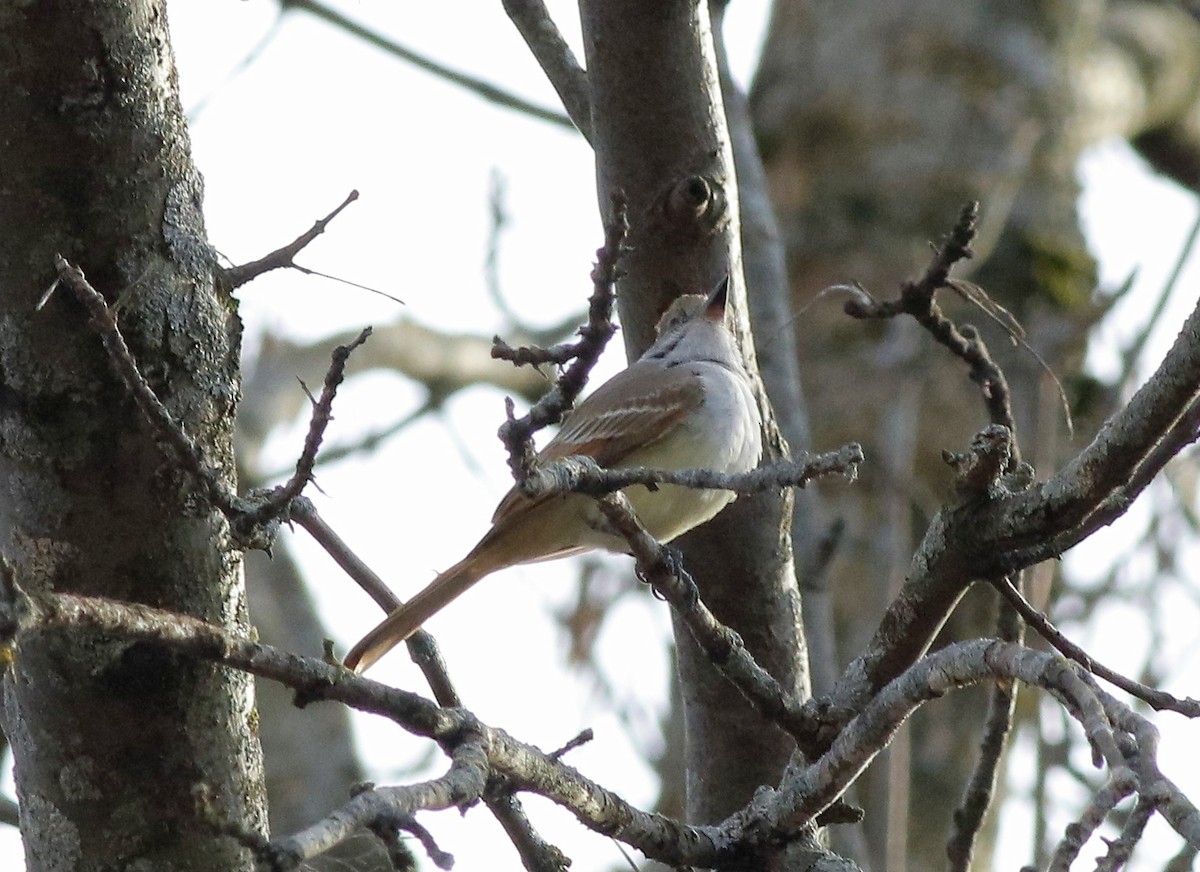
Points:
point(113, 741)
point(659, 132)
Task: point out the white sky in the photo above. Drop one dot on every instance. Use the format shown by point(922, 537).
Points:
point(318, 113)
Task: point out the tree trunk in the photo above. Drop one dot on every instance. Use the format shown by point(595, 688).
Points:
point(125, 755)
point(659, 131)
point(877, 122)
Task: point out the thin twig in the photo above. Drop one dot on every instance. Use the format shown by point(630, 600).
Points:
point(477, 86)
point(537, 854)
point(917, 300)
point(1157, 699)
point(104, 322)
point(579, 741)
point(581, 474)
point(517, 433)
point(236, 276)
point(322, 413)
point(977, 798)
point(533, 355)
point(660, 568)
point(1120, 849)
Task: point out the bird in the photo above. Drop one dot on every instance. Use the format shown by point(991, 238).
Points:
point(686, 403)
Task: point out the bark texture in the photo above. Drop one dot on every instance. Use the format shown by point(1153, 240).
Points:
point(126, 755)
point(660, 136)
point(877, 121)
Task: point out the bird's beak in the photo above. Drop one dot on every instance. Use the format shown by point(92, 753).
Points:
point(714, 309)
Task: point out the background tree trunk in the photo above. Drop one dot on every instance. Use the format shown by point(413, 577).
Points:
point(115, 744)
point(877, 122)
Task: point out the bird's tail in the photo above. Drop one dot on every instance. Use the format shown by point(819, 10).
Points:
point(408, 618)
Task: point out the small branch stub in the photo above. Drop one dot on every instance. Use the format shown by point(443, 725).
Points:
point(695, 207)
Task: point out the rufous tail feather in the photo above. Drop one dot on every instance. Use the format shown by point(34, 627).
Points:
point(407, 619)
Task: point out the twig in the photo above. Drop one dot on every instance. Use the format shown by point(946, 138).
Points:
point(275, 501)
point(980, 790)
point(537, 854)
point(807, 790)
point(384, 808)
point(1129, 358)
point(1169, 801)
point(556, 59)
point(659, 567)
point(1121, 783)
point(579, 741)
point(253, 519)
point(387, 829)
point(532, 355)
point(1158, 699)
point(523, 766)
point(917, 299)
point(476, 86)
point(236, 276)
point(1121, 848)
point(517, 433)
point(188, 454)
point(581, 474)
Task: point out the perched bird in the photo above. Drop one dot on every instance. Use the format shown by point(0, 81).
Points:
point(684, 404)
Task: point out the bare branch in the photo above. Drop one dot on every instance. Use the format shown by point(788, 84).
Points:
point(236, 276)
point(1120, 849)
point(537, 854)
point(1159, 700)
point(772, 818)
point(556, 59)
point(103, 320)
point(461, 785)
point(807, 790)
point(582, 475)
point(993, 534)
point(517, 434)
point(522, 766)
point(274, 502)
point(476, 86)
point(660, 568)
point(917, 299)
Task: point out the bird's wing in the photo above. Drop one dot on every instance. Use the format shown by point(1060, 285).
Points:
point(637, 406)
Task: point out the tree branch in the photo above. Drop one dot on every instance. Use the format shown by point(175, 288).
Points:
point(556, 59)
point(236, 276)
point(1009, 526)
point(517, 433)
point(583, 475)
point(479, 752)
point(536, 854)
point(476, 86)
